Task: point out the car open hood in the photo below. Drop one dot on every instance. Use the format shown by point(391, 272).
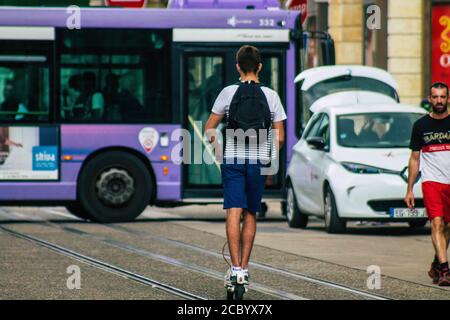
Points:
point(348, 98)
point(313, 76)
point(391, 159)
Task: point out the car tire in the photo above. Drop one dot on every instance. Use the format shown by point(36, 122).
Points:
point(114, 187)
point(295, 218)
point(333, 224)
point(417, 224)
point(77, 210)
point(283, 205)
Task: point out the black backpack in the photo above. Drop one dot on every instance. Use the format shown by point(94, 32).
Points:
point(249, 109)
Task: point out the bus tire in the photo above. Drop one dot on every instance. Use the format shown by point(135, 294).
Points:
point(114, 187)
point(77, 210)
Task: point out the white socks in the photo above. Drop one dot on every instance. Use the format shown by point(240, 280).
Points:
point(236, 269)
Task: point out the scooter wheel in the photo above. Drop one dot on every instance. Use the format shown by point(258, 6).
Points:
point(239, 292)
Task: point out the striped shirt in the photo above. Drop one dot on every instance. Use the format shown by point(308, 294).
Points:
point(265, 150)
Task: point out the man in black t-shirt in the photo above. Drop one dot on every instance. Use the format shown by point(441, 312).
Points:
point(430, 145)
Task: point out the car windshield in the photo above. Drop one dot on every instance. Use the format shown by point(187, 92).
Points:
point(376, 130)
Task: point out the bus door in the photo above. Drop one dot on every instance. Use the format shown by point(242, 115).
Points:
point(205, 71)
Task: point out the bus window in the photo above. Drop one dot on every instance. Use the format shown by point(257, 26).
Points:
point(24, 92)
point(270, 72)
point(112, 76)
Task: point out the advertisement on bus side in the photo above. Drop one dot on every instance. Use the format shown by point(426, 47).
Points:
point(29, 153)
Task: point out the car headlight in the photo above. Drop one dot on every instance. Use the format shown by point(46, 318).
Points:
point(363, 169)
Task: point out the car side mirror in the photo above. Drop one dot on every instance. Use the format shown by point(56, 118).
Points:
point(316, 143)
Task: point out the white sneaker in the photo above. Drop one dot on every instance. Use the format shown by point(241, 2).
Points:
point(233, 277)
point(246, 279)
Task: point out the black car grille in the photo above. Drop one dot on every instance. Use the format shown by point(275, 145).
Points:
point(385, 205)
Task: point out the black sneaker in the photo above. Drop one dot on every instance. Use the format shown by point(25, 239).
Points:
point(444, 279)
point(434, 272)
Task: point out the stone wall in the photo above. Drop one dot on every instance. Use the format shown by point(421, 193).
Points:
point(345, 20)
point(405, 52)
point(404, 40)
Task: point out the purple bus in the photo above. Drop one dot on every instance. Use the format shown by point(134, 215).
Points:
point(91, 100)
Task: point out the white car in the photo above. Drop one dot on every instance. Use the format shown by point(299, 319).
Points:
point(351, 164)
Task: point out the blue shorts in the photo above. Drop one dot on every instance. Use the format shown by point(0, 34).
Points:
point(243, 186)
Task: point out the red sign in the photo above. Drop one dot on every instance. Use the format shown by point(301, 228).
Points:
point(127, 3)
point(440, 58)
point(299, 5)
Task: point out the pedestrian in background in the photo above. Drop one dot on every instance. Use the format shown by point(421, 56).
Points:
point(430, 145)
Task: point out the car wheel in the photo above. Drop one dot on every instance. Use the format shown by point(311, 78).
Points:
point(114, 187)
point(283, 208)
point(333, 224)
point(418, 223)
point(295, 218)
point(77, 210)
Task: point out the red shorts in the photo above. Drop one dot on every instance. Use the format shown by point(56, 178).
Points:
point(437, 199)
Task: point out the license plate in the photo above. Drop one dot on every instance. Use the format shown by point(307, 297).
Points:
point(408, 213)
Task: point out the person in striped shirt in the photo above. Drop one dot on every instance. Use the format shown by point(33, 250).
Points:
point(242, 176)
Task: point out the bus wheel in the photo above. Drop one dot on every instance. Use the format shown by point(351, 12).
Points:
point(77, 210)
point(115, 187)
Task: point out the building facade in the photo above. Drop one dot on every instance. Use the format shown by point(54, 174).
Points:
point(388, 34)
